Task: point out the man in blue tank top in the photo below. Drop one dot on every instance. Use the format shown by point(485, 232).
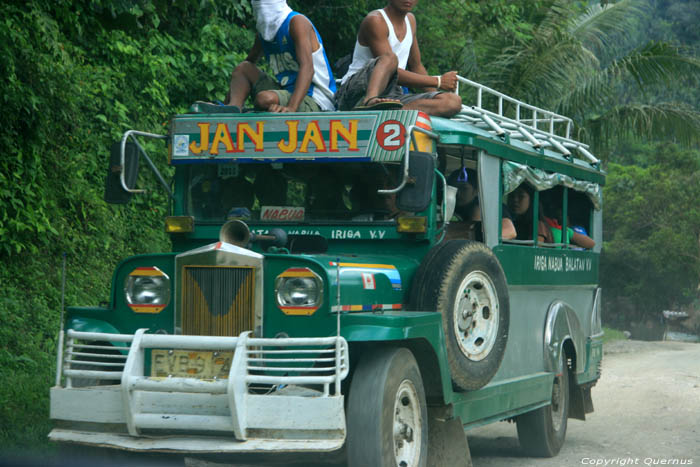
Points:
point(303, 79)
point(386, 57)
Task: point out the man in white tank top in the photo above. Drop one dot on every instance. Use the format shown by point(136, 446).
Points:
point(386, 57)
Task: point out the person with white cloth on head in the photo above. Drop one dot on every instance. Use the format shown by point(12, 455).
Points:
point(387, 57)
point(303, 79)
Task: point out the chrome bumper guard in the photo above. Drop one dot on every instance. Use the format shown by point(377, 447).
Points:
point(280, 395)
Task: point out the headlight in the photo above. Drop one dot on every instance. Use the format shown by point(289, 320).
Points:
point(299, 291)
point(147, 290)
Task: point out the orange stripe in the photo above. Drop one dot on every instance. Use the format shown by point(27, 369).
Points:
point(147, 271)
point(147, 308)
point(362, 265)
point(298, 310)
point(297, 272)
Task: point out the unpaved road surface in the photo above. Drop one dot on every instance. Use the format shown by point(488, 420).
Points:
point(647, 412)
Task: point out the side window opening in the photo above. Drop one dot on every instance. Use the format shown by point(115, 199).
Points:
point(566, 210)
point(460, 172)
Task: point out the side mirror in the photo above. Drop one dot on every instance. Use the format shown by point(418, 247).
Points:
point(415, 197)
point(114, 192)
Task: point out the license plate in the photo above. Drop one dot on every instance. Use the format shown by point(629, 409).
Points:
point(189, 364)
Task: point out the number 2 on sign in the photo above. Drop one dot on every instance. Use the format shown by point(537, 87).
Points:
point(391, 135)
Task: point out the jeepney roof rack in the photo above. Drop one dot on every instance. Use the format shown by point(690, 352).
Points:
point(518, 120)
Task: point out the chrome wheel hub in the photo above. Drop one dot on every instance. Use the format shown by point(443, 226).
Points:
point(476, 316)
point(407, 425)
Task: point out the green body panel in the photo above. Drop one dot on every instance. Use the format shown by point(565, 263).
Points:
point(119, 316)
point(85, 319)
point(499, 400)
point(84, 323)
point(391, 276)
point(594, 358)
point(527, 265)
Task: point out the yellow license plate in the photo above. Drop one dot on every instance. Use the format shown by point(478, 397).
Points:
point(189, 364)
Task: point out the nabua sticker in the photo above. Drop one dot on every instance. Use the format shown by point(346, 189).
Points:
point(281, 213)
point(181, 144)
point(368, 281)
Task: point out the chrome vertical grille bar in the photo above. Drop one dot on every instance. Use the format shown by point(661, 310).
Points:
point(217, 300)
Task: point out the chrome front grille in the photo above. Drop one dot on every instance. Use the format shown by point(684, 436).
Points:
point(218, 300)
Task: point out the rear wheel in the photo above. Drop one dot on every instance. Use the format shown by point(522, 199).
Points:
point(387, 415)
point(542, 432)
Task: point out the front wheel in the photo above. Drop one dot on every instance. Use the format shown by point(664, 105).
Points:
point(386, 414)
point(542, 432)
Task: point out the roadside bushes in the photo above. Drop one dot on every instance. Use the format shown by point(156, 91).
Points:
point(77, 74)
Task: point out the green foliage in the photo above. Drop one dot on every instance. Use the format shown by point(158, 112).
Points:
point(586, 65)
point(454, 35)
point(77, 75)
point(336, 21)
point(651, 255)
point(611, 335)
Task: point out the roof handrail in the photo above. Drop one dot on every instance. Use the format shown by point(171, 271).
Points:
point(532, 125)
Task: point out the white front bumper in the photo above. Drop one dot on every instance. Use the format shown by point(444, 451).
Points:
point(194, 416)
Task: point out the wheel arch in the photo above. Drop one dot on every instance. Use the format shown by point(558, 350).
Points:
point(435, 376)
point(96, 325)
point(562, 333)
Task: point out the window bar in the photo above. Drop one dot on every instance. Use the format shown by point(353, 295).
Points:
point(536, 214)
point(564, 215)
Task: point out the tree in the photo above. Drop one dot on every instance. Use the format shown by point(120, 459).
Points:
point(586, 64)
point(651, 255)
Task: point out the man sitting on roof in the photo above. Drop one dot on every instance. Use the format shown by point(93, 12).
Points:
point(387, 57)
point(304, 81)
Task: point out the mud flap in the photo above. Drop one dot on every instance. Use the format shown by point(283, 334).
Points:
point(447, 441)
point(581, 402)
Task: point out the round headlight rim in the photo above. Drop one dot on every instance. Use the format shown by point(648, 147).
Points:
point(286, 276)
point(152, 272)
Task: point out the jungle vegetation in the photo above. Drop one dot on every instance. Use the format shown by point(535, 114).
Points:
point(78, 73)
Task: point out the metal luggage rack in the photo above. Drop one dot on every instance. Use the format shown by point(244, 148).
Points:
point(534, 126)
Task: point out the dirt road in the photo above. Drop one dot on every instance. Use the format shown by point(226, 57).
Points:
point(647, 412)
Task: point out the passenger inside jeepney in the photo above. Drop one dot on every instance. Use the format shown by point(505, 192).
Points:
point(520, 203)
point(576, 235)
point(468, 209)
point(367, 203)
point(325, 193)
point(237, 197)
point(270, 187)
point(205, 193)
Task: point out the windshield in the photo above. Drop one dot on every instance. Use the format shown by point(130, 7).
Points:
point(293, 192)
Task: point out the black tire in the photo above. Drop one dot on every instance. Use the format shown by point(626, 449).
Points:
point(542, 432)
point(387, 416)
point(420, 282)
point(465, 283)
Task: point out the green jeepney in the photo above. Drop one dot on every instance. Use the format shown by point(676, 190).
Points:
point(323, 296)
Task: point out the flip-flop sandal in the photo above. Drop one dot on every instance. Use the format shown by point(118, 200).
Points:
point(210, 108)
point(392, 104)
